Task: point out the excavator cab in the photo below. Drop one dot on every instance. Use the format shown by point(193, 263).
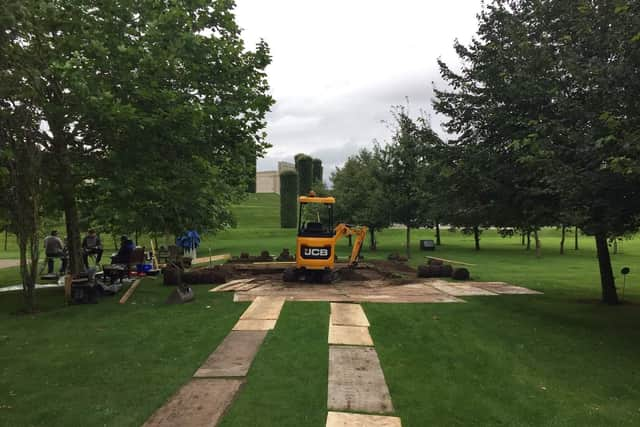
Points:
point(316, 241)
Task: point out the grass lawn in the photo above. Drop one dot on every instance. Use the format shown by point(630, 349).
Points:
point(104, 364)
point(555, 359)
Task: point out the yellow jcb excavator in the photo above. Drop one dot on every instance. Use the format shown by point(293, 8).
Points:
point(317, 238)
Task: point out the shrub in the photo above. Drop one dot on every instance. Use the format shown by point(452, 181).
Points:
point(288, 199)
point(317, 170)
point(304, 166)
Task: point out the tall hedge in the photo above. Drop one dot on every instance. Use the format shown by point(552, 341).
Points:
point(317, 170)
point(288, 199)
point(305, 174)
point(297, 157)
point(251, 175)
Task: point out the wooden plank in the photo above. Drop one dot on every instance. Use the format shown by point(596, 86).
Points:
point(234, 355)
point(449, 260)
point(264, 308)
point(356, 381)
point(345, 419)
point(204, 259)
point(68, 281)
point(504, 288)
point(279, 263)
point(154, 258)
point(225, 286)
point(349, 335)
point(254, 325)
point(200, 402)
point(130, 291)
point(459, 290)
point(348, 315)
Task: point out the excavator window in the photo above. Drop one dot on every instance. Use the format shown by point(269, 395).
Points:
point(315, 220)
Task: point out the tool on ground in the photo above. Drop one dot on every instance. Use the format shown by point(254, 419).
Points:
point(316, 241)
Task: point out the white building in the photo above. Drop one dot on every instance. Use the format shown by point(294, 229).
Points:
point(269, 181)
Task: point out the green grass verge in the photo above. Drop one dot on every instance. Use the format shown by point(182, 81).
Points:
point(104, 364)
point(510, 360)
point(287, 384)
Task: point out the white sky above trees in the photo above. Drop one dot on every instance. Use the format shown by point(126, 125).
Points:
point(339, 66)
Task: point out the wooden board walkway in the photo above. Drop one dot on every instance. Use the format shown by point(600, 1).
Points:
point(356, 382)
point(204, 400)
point(234, 355)
point(199, 403)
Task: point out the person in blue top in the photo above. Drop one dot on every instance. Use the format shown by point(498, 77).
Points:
point(124, 253)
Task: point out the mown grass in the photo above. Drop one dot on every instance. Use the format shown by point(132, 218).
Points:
point(287, 384)
point(510, 360)
point(104, 364)
point(561, 358)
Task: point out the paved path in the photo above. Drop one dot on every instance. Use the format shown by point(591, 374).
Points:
point(6, 263)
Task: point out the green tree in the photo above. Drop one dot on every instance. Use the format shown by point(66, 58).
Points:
point(548, 89)
point(402, 172)
point(20, 165)
point(134, 89)
point(360, 198)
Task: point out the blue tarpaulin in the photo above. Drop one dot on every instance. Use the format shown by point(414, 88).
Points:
point(189, 240)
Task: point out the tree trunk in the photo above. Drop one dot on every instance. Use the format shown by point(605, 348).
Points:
point(438, 233)
point(564, 229)
point(66, 184)
point(615, 246)
point(538, 246)
point(476, 237)
point(528, 240)
point(408, 242)
point(609, 293)
point(575, 246)
point(29, 266)
point(6, 237)
point(75, 264)
point(374, 244)
point(522, 234)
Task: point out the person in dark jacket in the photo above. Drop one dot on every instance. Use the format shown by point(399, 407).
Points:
point(54, 248)
point(124, 253)
point(91, 245)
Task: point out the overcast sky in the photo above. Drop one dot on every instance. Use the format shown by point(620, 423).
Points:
point(338, 67)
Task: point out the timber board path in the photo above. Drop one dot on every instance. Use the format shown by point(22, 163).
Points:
point(358, 394)
point(204, 400)
point(356, 382)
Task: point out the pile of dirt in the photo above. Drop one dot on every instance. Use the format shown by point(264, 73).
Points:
point(391, 267)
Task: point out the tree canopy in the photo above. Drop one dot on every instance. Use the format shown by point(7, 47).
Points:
point(544, 102)
point(153, 111)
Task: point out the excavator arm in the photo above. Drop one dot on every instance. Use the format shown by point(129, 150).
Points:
point(360, 232)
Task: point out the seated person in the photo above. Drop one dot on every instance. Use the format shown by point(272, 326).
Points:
point(124, 253)
point(91, 244)
point(53, 248)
